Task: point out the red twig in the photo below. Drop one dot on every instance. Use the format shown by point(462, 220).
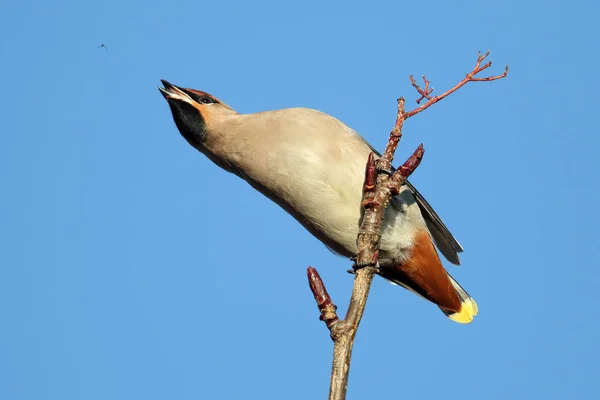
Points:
point(469, 78)
point(423, 92)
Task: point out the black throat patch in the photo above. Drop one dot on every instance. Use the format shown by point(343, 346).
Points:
point(189, 121)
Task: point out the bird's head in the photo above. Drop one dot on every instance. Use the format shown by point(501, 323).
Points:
point(194, 111)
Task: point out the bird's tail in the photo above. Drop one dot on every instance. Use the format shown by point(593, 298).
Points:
point(461, 307)
point(468, 306)
point(423, 273)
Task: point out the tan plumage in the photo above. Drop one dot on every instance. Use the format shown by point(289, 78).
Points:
point(312, 165)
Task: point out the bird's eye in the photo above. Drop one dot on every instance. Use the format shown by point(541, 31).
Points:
point(206, 100)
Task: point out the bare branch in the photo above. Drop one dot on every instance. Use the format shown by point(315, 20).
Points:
point(492, 78)
point(343, 332)
point(378, 188)
point(469, 78)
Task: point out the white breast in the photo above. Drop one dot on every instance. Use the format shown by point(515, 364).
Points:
point(313, 166)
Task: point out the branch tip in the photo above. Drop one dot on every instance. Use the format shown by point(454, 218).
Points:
point(324, 302)
point(409, 166)
point(423, 92)
point(470, 77)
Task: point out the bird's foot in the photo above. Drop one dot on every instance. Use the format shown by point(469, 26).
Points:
point(384, 171)
point(389, 172)
point(354, 258)
point(358, 266)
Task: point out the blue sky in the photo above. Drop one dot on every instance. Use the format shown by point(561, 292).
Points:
point(133, 268)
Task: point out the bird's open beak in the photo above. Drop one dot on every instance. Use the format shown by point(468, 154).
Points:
point(172, 92)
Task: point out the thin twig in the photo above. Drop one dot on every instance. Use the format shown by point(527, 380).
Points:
point(423, 92)
point(378, 188)
point(469, 78)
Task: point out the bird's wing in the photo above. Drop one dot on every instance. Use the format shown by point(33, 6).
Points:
point(444, 240)
point(442, 237)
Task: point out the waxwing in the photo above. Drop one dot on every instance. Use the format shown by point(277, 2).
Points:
point(312, 165)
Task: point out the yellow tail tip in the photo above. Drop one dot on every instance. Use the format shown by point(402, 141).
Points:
point(468, 310)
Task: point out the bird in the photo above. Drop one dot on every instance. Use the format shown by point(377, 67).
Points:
point(102, 45)
point(312, 165)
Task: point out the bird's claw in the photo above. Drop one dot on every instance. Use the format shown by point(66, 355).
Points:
point(356, 265)
point(384, 171)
